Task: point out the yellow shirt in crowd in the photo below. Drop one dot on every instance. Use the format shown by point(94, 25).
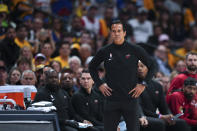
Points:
point(22, 44)
point(64, 63)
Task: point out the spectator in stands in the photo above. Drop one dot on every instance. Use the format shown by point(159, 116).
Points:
point(57, 29)
point(74, 64)
point(37, 25)
point(21, 34)
point(8, 45)
point(24, 64)
point(178, 32)
point(89, 101)
point(87, 38)
point(152, 99)
point(3, 76)
point(28, 22)
point(154, 39)
point(40, 59)
point(47, 50)
point(161, 57)
point(142, 28)
point(14, 76)
point(107, 20)
point(64, 53)
point(28, 78)
point(76, 27)
point(91, 22)
point(164, 21)
point(185, 102)
point(188, 46)
point(164, 40)
point(26, 52)
point(179, 67)
point(56, 65)
point(4, 18)
point(84, 52)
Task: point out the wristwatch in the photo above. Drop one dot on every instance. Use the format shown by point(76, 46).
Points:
point(144, 83)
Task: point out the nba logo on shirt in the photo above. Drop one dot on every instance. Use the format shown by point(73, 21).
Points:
point(95, 101)
point(127, 56)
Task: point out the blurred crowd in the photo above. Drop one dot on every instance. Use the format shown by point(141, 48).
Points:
point(64, 35)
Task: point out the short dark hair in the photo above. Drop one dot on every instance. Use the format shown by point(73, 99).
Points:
point(117, 21)
point(63, 43)
point(190, 82)
point(66, 70)
point(85, 71)
point(24, 60)
point(190, 53)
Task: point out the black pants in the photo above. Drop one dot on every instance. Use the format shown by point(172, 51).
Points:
point(156, 124)
point(113, 110)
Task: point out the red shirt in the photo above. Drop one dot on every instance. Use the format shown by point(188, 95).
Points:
point(177, 83)
point(179, 104)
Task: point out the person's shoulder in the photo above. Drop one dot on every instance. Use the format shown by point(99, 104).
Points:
point(106, 47)
point(78, 93)
point(177, 95)
point(42, 91)
point(133, 46)
point(56, 58)
point(181, 76)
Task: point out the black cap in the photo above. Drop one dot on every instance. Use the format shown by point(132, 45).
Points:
point(190, 82)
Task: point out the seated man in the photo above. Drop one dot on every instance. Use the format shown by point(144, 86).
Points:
point(153, 98)
point(53, 93)
point(87, 102)
point(28, 78)
point(185, 101)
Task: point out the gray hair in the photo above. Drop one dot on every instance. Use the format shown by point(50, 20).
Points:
point(74, 58)
point(85, 45)
point(28, 71)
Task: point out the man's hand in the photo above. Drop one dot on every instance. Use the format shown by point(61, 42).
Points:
point(137, 91)
point(106, 91)
point(168, 118)
point(143, 121)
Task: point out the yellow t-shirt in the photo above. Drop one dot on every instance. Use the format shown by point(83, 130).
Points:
point(188, 18)
point(64, 63)
point(22, 44)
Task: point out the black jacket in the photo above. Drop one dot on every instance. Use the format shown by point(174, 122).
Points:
point(153, 98)
point(121, 63)
point(88, 106)
point(61, 101)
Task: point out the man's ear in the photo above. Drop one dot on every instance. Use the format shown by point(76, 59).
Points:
point(125, 33)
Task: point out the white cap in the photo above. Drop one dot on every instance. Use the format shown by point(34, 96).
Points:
point(163, 37)
point(40, 55)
